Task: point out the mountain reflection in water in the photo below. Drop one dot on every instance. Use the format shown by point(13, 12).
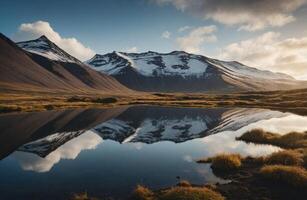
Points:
point(95, 149)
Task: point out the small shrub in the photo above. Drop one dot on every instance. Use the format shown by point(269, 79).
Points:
point(291, 175)
point(290, 140)
point(256, 136)
point(105, 100)
point(287, 157)
point(226, 162)
point(184, 183)
point(82, 196)
point(49, 107)
point(75, 99)
point(5, 108)
point(190, 193)
point(142, 193)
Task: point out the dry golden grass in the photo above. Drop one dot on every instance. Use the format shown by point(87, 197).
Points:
point(293, 101)
point(142, 193)
point(224, 162)
point(183, 192)
point(82, 196)
point(286, 157)
point(291, 175)
point(190, 193)
point(184, 183)
point(291, 140)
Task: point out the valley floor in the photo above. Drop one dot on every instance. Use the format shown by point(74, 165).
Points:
point(16, 101)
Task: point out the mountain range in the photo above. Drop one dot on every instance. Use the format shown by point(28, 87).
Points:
point(179, 71)
point(42, 65)
point(31, 70)
point(43, 132)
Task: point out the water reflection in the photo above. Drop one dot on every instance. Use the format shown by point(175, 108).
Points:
point(95, 150)
point(69, 150)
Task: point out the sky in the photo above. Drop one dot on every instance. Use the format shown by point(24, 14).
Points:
point(267, 34)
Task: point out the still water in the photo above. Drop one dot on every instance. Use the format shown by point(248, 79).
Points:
point(107, 152)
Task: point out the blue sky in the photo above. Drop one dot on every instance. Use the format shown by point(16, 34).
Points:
point(137, 25)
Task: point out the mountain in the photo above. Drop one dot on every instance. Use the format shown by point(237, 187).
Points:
point(155, 124)
point(140, 124)
point(179, 71)
point(44, 47)
point(51, 128)
point(34, 69)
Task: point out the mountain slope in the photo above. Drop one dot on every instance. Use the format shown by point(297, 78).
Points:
point(44, 47)
point(155, 124)
point(32, 70)
point(179, 71)
point(68, 68)
point(18, 70)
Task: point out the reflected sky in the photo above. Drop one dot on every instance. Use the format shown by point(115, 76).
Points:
point(94, 163)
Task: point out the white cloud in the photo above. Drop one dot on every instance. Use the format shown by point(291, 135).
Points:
point(166, 34)
point(72, 46)
point(131, 50)
point(270, 52)
point(183, 28)
point(197, 37)
point(70, 150)
point(250, 15)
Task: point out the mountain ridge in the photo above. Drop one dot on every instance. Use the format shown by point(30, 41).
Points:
point(33, 70)
point(199, 72)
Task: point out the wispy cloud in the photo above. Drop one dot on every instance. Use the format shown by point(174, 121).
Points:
point(269, 51)
point(131, 50)
point(196, 37)
point(72, 46)
point(166, 35)
point(183, 28)
point(250, 15)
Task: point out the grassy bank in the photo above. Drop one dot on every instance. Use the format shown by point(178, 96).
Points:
point(281, 175)
point(15, 101)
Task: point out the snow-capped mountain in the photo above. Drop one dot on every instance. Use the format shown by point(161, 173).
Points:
point(46, 145)
point(44, 47)
point(144, 124)
point(179, 71)
point(153, 124)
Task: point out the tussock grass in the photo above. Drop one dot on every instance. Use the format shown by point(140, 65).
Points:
point(291, 140)
point(142, 193)
point(224, 162)
point(9, 108)
point(190, 193)
point(183, 192)
point(291, 175)
point(286, 157)
point(184, 183)
point(82, 196)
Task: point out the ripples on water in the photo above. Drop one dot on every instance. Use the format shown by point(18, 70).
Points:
point(107, 152)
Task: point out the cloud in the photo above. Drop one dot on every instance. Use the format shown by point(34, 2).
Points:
point(250, 15)
point(166, 34)
point(131, 50)
point(196, 37)
point(72, 46)
point(70, 150)
point(268, 51)
point(184, 28)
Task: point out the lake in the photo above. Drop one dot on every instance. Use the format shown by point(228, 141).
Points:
point(107, 152)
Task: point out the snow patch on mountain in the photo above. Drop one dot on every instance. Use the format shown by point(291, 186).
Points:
point(177, 63)
point(44, 47)
point(150, 64)
point(152, 130)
